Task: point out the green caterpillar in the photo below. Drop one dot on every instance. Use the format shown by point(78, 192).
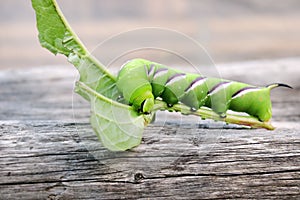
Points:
point(141, 82)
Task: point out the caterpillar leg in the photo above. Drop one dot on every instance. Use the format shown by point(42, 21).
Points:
point(222, 115)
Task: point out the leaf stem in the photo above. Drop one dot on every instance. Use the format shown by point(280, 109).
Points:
point(89, 56)
point(68, 27)
point(83, 87)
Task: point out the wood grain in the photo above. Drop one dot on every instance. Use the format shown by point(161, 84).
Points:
point(49, 151)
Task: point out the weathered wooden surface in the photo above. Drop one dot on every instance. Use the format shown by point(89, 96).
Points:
point(48, 150)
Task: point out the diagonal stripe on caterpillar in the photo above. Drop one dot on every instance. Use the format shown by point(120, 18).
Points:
point(141, 81)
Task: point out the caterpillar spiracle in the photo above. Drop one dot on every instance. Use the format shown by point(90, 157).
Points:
point(142, 81)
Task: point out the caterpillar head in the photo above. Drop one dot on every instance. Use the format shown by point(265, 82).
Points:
point(142, 100)
point(133, 83)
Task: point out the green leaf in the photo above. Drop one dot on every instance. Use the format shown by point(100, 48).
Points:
point(56, 35)
point(118, 126)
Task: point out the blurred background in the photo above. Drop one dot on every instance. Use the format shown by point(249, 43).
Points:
point(230, 31)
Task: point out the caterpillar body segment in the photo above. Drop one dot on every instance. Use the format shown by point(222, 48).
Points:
point(141, 81)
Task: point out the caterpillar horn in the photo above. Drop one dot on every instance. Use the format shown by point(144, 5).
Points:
point(275, 85)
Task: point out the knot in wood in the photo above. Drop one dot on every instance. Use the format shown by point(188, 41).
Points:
point(138, 176)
